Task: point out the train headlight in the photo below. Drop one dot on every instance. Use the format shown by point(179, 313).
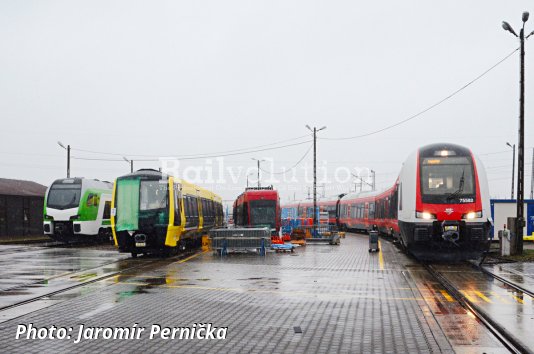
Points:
point(424, 215)
point(472, 215)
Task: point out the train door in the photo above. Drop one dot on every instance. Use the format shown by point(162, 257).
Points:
point(530, 219)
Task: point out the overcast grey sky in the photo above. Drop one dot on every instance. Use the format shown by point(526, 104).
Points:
point(188, 77)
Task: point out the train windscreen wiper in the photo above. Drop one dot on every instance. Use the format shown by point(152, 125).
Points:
point(460, 187)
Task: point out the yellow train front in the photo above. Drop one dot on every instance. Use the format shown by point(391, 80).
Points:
point(156, 213)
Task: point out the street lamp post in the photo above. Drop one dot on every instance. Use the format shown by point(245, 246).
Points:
point(314, 131)
point(259, 161)
point(68, 157)
point(520, 221)
point(130, 162)
point(513, 168)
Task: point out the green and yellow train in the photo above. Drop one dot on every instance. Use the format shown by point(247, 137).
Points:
point(152, 212)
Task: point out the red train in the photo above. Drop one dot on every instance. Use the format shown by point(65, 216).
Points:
point(438, 205)
point(361, 211)
point(258, 207)
point(352, 211)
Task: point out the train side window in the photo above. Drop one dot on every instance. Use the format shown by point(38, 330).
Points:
point(187, 207)
point(195, 206)
point(107, 210)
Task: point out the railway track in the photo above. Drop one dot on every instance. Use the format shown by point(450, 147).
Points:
point(508, 339)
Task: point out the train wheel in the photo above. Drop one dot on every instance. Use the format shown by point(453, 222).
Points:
point(134, 254)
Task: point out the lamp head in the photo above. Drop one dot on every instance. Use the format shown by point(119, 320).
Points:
point(60, 144)
point(525, 16)
point(125, 159)
point(506, 26)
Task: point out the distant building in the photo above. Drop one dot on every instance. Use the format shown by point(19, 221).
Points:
point(502, 209)
point(21, 207)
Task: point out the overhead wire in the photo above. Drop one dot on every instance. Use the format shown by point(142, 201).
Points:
point(429, 107)
point(294, 166)
point(202, 155)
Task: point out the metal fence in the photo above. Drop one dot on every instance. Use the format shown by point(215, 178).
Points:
point(228, 240)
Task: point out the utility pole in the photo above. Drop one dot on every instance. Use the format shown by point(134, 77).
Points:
point(68, 161)
point(130, 162)
point(314, 131)
point(373, 173)
point(520, 221)
point(513, 168)
point(68, 157)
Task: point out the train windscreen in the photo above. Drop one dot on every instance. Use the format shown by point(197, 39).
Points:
point(127, 204)
point(153, 195)
point(263, 213)
point(447, 180)
point(64, 196)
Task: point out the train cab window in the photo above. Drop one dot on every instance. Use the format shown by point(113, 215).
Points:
point(245, 214)
point(92, 200)
point(447, 179)
point(107, 210)
point(152, 195)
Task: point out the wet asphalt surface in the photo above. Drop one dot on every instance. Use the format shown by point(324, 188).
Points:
point(342, 298)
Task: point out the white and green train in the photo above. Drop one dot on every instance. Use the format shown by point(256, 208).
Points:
point(78, 209)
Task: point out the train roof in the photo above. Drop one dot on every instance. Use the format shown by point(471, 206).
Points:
point(86, 182)
point(433, 149)
point(366, 194)
point(257, 193)
point(188, 187)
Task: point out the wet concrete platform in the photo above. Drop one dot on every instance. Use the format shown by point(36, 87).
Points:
point(519, 273)
point(23, 264)
point(322, 298)
point(511, 309)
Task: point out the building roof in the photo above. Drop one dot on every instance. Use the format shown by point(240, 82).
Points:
point(21, 188)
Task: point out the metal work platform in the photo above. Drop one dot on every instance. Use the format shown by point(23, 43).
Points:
point(315, 300)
